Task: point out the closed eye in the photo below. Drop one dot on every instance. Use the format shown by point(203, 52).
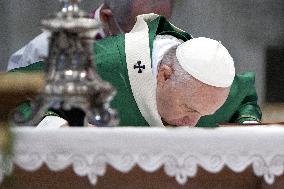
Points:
point(188, 109)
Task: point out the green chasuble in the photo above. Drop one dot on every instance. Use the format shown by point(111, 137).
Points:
point(110, 60)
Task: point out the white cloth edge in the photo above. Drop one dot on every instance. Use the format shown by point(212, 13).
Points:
point(52, 122)
point(36, 50)
point(55, 147)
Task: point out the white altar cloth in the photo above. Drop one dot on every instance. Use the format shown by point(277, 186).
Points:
point(180, 151)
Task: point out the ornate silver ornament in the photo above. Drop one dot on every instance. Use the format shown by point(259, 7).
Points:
point(71, 79)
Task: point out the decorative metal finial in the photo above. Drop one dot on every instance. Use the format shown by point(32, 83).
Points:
point(71, 79)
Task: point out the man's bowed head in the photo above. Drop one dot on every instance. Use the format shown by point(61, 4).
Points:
point(193, 80)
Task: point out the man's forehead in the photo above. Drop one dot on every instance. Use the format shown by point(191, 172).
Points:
point(205, 100)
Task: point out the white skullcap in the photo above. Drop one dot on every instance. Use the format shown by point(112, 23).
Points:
point(207, 60)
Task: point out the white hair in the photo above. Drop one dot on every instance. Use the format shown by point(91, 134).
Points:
point(171, 60)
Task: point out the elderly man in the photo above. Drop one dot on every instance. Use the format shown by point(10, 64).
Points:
point(164, 77)
point(116, 16)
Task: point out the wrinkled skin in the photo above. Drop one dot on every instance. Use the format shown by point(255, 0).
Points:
point(182, 100)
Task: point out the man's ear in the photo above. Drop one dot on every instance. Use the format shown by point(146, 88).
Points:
point(105, 15)
point(164, 73)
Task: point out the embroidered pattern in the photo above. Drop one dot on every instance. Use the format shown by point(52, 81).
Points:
point(138, 65)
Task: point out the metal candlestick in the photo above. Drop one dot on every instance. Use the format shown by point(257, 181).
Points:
point(71, 79)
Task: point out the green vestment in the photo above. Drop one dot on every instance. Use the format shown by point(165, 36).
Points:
point(110, 60)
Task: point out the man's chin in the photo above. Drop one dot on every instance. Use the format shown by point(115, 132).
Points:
point(183, 123)
point(178, 123)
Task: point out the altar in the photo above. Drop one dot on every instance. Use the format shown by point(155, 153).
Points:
point(227, 157)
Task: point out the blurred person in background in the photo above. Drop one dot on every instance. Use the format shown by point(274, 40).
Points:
point(115, 16)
